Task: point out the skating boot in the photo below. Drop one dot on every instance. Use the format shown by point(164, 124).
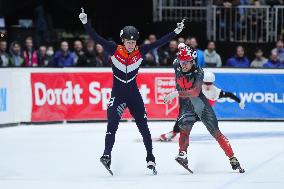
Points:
point(151, 163)
point(236, 164)
point(181, 158)
point(167, 136)
point(106, 161)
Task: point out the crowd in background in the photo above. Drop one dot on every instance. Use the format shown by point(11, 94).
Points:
point(90, 54)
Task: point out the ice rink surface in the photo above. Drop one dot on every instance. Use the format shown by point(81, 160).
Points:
point(67, 157)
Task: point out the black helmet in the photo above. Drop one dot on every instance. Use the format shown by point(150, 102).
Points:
point(130, 33)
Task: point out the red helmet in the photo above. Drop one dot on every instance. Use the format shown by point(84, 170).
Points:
point(185, 53)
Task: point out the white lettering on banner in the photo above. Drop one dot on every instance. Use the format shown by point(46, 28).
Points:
point(106, 93)
point(99, 94)
point(3, 99)
point(69, 95)
point(163, 86)
point(144, 90)
point(258, 97)
point(103, 95)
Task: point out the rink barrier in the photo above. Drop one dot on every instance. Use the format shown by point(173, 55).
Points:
point(261, 88)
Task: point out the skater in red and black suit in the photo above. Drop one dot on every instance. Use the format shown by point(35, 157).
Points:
point(212, 93)
point(126, 60)
point(194, 106)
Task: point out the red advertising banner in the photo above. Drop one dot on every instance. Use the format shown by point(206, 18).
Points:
point(85, 96)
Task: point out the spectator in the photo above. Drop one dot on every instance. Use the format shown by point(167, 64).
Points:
point(15, 51)
point(280, 50)
point(239, 60)
point(43, 59)
point(89, 58)
point(4, 57)
point(192, 42)
point(63, 57)
point(103, 58)
point(274, 62)
point(78, 51)
point(259, 60)
point(29, 53)
point(170, 54)
point(49, 54)
point(211, 57)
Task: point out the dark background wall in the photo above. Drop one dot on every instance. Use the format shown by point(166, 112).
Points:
point(108, 17)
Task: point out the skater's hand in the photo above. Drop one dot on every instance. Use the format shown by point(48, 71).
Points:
point(242, 105)
point(169, 97)
point(83, 17)
point(180, 27)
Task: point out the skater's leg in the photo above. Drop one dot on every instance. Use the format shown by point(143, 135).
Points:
point(210, 121)
point(176, 128)
point(114, 113)
point(137, 110)
point(185, 128)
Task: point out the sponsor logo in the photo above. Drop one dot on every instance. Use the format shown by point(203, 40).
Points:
point(72, 94)
point(164, 86)
point(257, 97)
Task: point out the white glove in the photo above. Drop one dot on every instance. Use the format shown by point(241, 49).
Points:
point(169, 97)
point(83, 17)
point(180, 27)
point(242, 105)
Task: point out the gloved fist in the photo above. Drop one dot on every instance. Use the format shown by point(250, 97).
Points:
point(83, 17)
point(180, 27)
point(169, 97)
point(242, 105)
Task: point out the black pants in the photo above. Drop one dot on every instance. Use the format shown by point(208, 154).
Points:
point(121, 98)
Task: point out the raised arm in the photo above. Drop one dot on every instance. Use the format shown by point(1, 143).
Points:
point(108, 45)
point(163, 40)
point(144, 49)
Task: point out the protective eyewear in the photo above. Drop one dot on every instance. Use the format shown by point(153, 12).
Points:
point(208, 83)
point(186, 62)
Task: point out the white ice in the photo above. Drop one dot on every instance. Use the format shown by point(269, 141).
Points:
point(67, 157)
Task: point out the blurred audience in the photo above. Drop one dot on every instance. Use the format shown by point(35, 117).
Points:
point(91, 54)
point(15, 55)
point(239, 60)
point(4, 57)
point(29, 53)
point(211, 57)
point(192, 42)
point(170, 54)
point(259, 60)
point(103, 58)
point(63, 57)
point(89, 59)
point(279, 49)
point(78, 51)
point(273, 62)
point(43, 59)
